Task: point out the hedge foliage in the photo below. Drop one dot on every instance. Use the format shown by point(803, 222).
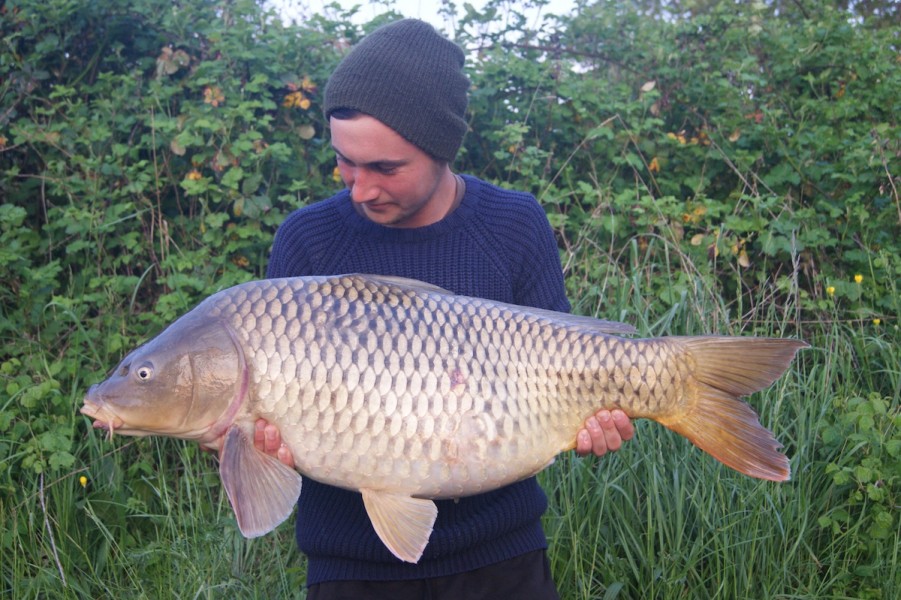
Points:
point(149, 150)
point(161, 144)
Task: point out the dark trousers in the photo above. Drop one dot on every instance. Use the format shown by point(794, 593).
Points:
point(526, 577)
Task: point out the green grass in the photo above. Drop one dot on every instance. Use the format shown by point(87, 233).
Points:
point(151, 522)
point(657, 520)
point(660, 519)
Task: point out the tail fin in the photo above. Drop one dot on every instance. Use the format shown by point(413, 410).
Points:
point(716, 421)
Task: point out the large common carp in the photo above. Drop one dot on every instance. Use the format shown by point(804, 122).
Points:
point(406, 393)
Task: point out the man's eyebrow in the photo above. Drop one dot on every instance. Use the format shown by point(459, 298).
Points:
point(377, 164)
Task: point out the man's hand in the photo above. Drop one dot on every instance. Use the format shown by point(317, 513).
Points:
point(266, 438)
point(604, 431)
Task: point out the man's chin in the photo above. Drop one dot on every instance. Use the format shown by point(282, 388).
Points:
point(384, 215)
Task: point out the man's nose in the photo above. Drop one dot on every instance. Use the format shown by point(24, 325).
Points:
point(363, 187)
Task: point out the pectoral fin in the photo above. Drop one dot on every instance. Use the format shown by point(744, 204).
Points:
point(403, 523)
point(261, 490)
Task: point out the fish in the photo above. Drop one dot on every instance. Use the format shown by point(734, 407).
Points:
point(407, 393)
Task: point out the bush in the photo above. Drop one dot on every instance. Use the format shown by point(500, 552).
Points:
point(736, 164)
point(763, 145)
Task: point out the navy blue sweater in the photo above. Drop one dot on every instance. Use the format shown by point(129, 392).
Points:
point(498, 245)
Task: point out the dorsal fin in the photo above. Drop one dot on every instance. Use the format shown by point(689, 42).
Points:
point(566, 319)
point(405, 282)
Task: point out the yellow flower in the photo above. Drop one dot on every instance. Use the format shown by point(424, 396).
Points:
point(654, 167)
point(695, 216)
point(83, 481)
point(193, 175)
point(858, 278)
point(288, 102)
point(830, 291)
point(877, 321)
point(336, 175)
point(296, 99)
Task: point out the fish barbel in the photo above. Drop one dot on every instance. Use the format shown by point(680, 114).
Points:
point(407, 393)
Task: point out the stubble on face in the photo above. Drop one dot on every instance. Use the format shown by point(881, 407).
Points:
point(392, 182)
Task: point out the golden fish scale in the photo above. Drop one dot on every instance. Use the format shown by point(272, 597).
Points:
point(431, 394)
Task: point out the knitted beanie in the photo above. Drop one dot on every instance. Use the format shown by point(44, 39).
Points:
point(409, 77)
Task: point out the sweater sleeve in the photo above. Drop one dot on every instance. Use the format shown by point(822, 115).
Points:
point(518, 224)
point(288, 256)
point(305, 239)
point(539, 280)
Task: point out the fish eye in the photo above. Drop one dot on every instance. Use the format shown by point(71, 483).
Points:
point(144, 372)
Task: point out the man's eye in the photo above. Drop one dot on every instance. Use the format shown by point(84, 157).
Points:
point(385, 168)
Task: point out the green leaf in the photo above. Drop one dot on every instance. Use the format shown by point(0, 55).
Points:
point(233, 177)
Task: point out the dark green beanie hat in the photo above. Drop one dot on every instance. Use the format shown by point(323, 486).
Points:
point(409, 77)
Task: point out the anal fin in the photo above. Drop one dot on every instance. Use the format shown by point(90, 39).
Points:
point(403, 523)
point(261, 490)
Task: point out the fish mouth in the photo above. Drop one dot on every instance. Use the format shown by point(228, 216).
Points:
point(105, 419)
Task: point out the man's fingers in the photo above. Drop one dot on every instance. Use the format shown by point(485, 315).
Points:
point(259, 435)
point(610, 438)
point(266, 438)
point(595, 429)
point(603, 432)
point(583, 442)
point(273, 439)
point(285, 456)
point(623, 424)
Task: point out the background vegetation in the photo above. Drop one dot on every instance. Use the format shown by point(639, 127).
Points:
point(708, 166)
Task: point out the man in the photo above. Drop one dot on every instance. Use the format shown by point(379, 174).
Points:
point(396, 107)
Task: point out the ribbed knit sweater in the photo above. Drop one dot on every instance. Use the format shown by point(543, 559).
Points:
point(498, 245)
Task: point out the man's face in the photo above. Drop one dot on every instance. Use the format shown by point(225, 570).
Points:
point(391, 181)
